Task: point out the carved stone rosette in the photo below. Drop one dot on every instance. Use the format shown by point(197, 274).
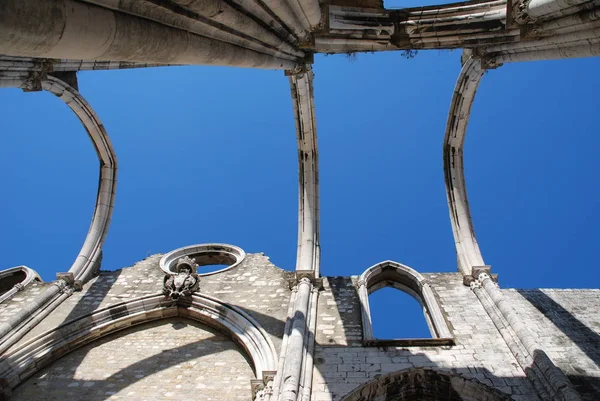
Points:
point(184, 282)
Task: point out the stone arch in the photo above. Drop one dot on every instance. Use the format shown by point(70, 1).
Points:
point(90, 254)
point(467, 249)
point(15, 279)
point(30, 357)
point(406, 279)
point(424, 385)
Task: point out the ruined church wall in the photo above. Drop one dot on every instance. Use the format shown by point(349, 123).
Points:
point(565, 323)
point(343, 364)
point(256, 285)
point(173, 358)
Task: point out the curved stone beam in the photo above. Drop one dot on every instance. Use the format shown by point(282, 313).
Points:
point(404, 278)
point(467, 248)
point(309, 253)
point(522, 344)
point(91, 252)
point(44, 349)
point(30, 275)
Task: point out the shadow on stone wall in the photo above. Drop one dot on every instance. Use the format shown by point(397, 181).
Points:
point(90, 300)
point(348, 305)
point(405, 374)
point(106, 387)
point(271, 325)
point(94, 295)
point(425, 384)
point(581, 335)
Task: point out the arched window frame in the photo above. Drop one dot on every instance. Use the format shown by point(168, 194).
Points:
point(403, 278)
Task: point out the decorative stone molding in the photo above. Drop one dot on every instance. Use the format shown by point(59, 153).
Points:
point(203, 255)
point(21, 276)
point(307, 276)
point(183, 283)
point(261, 389)
point(257, 387)
point(67, 277)
point(475, 272)
point(18, 364)
point(394, 274)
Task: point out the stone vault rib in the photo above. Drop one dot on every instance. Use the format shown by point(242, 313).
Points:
point(545, 375)
point(294, 379)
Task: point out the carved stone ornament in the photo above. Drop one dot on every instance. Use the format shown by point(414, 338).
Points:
point(184, 282)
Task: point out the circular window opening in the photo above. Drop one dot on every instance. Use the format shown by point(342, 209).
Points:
point(211, 258)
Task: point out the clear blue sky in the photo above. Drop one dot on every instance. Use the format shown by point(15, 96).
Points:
point(209, 155)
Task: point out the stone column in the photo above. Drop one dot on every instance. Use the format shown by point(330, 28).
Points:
point(296, 343)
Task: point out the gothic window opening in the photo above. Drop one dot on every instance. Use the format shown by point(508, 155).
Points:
point(396, 284)
point(389, 299)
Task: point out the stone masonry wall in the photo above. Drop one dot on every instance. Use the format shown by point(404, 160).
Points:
point(480, 353)
point(153, 360)
point(11, 306)
point(566, 324)
point(173, 358)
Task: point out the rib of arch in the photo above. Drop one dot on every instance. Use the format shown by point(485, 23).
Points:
point(404, 278)
point(420, 384)
point(467, 249)
point(30, 357)
point(90, 253)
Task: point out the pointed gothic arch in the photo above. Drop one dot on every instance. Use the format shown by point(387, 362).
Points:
point(408, 280)
point(19, 364)
point(419, 384)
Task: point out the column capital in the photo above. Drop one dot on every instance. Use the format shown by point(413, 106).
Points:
point(306, 276)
